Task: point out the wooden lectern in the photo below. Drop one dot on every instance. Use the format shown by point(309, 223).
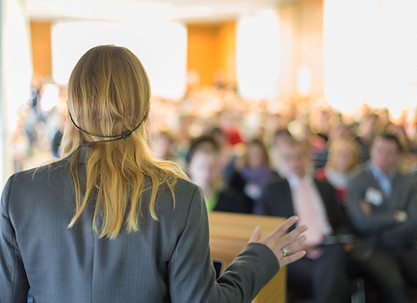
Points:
point(230, 232)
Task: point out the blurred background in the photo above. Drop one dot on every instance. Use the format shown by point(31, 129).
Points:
point(248, 68)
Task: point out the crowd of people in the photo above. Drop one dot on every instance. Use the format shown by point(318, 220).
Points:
point(350, 178)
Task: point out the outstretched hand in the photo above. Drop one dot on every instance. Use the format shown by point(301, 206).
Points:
point(288, 248)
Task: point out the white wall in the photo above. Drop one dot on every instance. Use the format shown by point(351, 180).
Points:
point(16, 72)
point(257, 55)
point(2, 116)
point(370, 54)
point(161, 46)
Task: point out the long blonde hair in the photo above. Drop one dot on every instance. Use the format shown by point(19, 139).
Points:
point(108, 94)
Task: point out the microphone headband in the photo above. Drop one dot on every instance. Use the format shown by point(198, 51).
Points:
point(122, 136)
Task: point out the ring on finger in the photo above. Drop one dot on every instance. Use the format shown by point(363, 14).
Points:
point(284, 252)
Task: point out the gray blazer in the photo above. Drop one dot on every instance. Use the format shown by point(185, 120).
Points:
point(380, 228)
point(166, 261)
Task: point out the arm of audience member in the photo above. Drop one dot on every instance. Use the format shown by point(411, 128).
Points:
point(365, 207)
point(365, 222)
point(14, 286)
point(406, 228)
point(191, 273)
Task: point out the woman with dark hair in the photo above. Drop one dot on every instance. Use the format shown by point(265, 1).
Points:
point(253, 170)
point(110, 223)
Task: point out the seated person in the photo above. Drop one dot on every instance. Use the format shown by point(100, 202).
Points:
point(382, 207)
point(342, 164)
point(253, 170)
point(280, 136)
point(322, 275)
point(204, 169)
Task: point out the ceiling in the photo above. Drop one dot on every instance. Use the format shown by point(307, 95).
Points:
point(173, 10)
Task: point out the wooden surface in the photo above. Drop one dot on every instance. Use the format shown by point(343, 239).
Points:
point(230, 232)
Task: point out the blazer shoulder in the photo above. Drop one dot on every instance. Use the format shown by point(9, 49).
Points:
point(185, 187)
point(38, 174)
point(361, 176)
point(185, 193)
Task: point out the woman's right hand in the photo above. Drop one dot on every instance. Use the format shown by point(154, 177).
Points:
point(287, 248)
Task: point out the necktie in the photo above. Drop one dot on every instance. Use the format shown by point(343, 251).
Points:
point(307, 216)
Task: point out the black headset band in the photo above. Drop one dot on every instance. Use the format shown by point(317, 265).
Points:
point(122, 136)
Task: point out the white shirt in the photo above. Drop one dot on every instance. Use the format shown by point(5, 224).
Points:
point(309, 207)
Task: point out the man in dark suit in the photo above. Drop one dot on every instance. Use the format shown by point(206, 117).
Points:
point(383, 209)
point(322, 274)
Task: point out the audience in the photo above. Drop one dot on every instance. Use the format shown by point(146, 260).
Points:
point(322, 273)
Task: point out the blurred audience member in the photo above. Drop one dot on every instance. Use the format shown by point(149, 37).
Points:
point(252, 170)
point(399, 132)
point(204, 169)
point(35, 93)
point(163, 145)
point(320, 155)
point(322, 274)
point(230, 128)
point(366, 132)
point(227, 154)
point(60, 113)
point(383, 208)
point(56, 143)
point(342, 164)
point(311, 140)
point(324, 125)
point(278, 162)
point(20, 144)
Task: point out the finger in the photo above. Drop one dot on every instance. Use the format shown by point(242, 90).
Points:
point(290, 259)
point(290, 237)
point(282, 229)
point(256, 236)
point(296, 245)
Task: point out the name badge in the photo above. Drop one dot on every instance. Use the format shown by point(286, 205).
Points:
point(373, 196)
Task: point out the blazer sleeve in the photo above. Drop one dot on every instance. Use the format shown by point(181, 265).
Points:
point(404, 233)
point(191, 274)
point(13, 282)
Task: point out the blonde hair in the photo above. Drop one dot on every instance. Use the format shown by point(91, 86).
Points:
point(108, 94)
point(337, 145)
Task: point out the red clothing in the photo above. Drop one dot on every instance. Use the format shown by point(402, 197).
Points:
point(233, 136)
